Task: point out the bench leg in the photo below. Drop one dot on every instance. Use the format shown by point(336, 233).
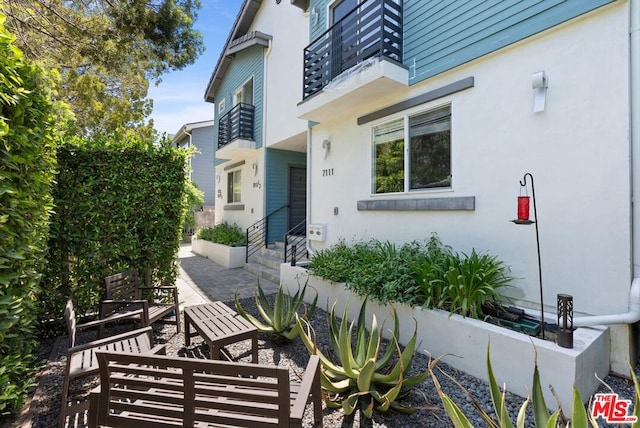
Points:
point(254, 348)
point(187, 330)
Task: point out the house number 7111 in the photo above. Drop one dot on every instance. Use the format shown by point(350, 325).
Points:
point(327, 172)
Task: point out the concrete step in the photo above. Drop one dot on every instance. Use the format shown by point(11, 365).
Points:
point(268, 260)
point(262, 271)
point(273, 253)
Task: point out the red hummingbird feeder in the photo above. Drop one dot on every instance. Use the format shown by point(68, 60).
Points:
point(523, 208)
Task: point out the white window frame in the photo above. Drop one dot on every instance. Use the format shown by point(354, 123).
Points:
point(231, 181)
point(241, 90)
point(407, 153)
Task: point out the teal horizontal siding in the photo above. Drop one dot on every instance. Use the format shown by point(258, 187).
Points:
point(440, 35)
point(277, 188)
point(246, 64)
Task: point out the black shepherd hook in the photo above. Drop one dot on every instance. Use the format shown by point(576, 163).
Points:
point(523, 183)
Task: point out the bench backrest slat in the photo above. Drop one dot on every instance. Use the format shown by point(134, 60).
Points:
point(123, 286)
point(192, 391)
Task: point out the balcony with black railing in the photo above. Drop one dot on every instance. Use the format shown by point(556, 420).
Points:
point(235, 130)
point(369, 38)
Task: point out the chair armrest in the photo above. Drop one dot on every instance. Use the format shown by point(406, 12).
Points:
point(110, 318)
point(111, 339)
point(159, 349)
point(310, 385)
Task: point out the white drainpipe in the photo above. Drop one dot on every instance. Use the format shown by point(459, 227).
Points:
point(310, 249)
point(633, 315)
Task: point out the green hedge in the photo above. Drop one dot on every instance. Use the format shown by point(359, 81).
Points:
point(27, 162)
point(118, 205)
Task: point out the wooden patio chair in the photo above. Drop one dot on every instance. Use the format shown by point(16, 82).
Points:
point(123, 294)
point(81, 358)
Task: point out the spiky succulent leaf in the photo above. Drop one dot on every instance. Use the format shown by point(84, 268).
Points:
point(390, 351)
point(366, 375)
point(497, 398)
point(522, 414)
point(367, 409)
point(266, 312)
point(253, 320)
point(349, 404)
point(636, 407)
point(540, 412)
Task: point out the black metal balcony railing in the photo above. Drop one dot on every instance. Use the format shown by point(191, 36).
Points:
point(372, 29)
point(236, 124)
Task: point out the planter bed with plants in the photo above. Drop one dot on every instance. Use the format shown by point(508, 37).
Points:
point(224, 244)
point(461, 341)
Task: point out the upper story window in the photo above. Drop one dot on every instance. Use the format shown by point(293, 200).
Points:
point(425, 138)
point(234, 186)
point(339, 9)
point(244, 94)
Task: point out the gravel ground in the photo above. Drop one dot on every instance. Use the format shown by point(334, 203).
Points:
point(45, 402)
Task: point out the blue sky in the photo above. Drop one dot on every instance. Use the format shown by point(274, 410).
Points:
point(179, 99)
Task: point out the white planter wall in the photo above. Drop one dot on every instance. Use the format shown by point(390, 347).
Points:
point(466, 340)
point(229, 257)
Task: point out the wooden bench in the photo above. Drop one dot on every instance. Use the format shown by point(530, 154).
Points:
point(123, 293)
point(81, 359)
point(219, 326)
point(160, 391)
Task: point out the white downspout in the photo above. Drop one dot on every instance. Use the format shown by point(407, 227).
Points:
point(633, 315)
point(311, 252)
point(630, 317)
point(265, 99)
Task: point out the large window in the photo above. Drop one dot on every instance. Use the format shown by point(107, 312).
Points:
point(233, 186)
point(425, 138)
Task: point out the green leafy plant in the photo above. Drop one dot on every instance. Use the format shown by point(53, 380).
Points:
point(225, 234)
point(471, 280)
point(279, 320)
point(541, 417)
point(459, 283)
point(360, 376)
point(376, 269)
point(28, 138)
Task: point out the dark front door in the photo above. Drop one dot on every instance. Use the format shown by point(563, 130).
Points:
point(297, 195)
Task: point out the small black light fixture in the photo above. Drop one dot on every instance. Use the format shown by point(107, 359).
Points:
point(565, 320)
point(523, 218)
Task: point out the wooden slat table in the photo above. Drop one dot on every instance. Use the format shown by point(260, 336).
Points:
point(219, 325)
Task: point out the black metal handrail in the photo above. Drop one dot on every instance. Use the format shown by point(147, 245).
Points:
point(237, 123)
point(372, 29)
point(295, 242)
point(258, 234)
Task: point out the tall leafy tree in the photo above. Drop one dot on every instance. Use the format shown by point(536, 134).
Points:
point(107, 52)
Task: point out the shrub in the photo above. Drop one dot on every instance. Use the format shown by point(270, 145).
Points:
point(225, 234)
point(27, 163)
point(379, 270)
point(459, 283)
point(118, 206)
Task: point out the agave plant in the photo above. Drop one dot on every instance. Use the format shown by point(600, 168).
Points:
point(360, 376)
point(279, 321)
point(541, 416)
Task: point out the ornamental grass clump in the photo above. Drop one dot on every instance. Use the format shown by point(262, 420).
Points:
point(279, 320)
point(359, 375)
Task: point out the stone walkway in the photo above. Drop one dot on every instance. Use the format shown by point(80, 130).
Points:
point(201, 280)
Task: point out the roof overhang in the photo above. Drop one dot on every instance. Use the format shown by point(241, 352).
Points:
point(241, 26)
point(188, 127)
